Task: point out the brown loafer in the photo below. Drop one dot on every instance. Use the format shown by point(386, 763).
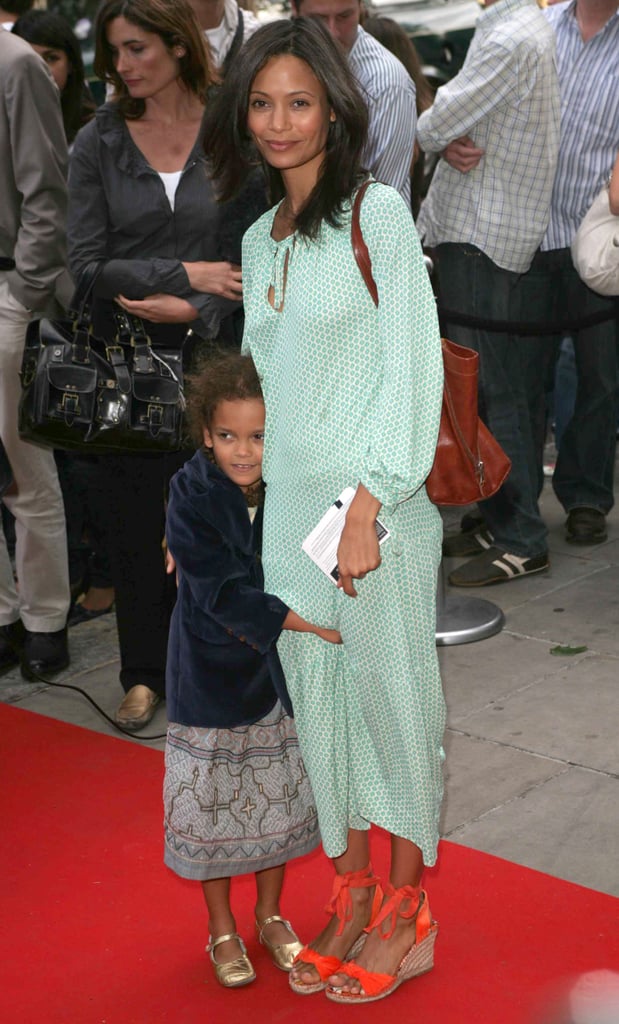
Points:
point(137, 708)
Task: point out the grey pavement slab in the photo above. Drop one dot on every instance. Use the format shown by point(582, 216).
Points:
point(567, 826)
point(571, 716)
point(481, 775)
point(585, 611)
point(477, 675)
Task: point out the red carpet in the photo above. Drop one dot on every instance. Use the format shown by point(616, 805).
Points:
point(96, 930)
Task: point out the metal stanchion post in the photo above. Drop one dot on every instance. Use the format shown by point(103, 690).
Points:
point(463, 620)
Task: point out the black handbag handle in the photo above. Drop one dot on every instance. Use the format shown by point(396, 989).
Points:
point(80, 303)
point(130, 330)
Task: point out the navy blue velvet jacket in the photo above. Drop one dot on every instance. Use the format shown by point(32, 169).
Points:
point(223, 669)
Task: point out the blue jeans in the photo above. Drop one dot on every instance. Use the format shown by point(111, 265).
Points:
point(470, 283)
point(565, 382)
point(552, 291)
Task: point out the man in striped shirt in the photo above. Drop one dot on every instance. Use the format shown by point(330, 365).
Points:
point(486, 217)
point(387, 87)
point(587, 35)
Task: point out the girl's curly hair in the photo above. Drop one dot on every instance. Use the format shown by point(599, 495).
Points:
point(221, 376)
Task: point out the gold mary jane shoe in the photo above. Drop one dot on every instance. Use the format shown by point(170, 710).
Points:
point(234, 973)
point(283, 953)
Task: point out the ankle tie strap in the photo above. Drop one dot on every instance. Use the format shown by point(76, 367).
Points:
point(341, 900)
point(392, 909)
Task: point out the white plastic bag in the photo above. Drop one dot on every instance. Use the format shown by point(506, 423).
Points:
point(595, 249)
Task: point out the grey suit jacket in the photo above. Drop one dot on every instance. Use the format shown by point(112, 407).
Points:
point(33, 161)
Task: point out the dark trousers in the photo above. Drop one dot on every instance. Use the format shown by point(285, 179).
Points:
point(85, 509)
point(136, 488)
point(550, 292)
point(470, 283)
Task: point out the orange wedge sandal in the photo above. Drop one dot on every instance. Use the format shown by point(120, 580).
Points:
point(418, 959)
point(341, 906)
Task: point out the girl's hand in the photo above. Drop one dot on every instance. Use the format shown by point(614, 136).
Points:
point(332, 636)
point(160, 309)
point(170, 562)
point(299, 625)
point(223, 279)
point(358, 552)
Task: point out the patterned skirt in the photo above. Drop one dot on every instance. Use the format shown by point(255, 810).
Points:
point(236, 800)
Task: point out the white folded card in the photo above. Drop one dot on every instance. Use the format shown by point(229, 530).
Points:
point(322, 543)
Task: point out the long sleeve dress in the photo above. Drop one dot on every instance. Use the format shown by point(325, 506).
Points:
point(353, 394)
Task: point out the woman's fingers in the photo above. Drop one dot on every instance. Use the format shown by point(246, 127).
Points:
point(345, 583)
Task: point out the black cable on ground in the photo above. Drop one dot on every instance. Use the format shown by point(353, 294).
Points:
point(78, 689)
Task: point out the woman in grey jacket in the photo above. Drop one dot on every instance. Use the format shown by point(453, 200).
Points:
point(142, 211)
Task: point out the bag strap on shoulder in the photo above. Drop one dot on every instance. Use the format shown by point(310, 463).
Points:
point(359, 246)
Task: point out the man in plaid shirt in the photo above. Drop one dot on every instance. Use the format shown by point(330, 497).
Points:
point(496, 125)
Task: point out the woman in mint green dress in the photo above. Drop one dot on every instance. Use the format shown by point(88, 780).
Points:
point(353, 398)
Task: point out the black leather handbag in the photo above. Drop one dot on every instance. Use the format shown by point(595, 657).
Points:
point(81, 392)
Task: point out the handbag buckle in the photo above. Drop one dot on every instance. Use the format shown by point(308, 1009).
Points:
point(115, 353)
point(70, 405)
point(154, 415)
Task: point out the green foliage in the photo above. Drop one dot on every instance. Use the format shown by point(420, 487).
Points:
point(559, 650)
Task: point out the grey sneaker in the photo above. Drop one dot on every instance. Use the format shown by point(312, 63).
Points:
point(496, 566)
point(462, 544)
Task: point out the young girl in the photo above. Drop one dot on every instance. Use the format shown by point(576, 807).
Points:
point(237, 797)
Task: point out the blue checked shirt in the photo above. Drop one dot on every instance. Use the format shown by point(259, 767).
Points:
point(389, 92)
point(589, 80)
point(506, 98)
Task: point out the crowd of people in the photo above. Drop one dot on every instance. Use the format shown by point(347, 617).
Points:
point(211, 196)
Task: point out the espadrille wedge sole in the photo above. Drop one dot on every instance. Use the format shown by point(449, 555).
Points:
point(418, 960)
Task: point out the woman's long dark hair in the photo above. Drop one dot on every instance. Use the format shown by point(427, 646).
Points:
point(175, 23)
point(229, 146)
point(47, 28)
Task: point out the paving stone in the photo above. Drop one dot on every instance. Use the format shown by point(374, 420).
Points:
point(571, 715)
point(585, 611)
point(567, 827)
point(481, 775)
point(476, 675)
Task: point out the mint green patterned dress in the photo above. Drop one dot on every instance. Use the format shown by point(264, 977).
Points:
point(353, 394)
